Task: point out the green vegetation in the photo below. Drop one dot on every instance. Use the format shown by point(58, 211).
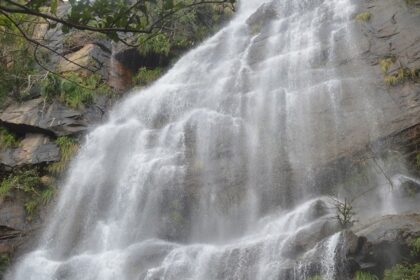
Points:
point(345, 213)
point(403, 272)
point(418, 160)
point(364, 16)
point(315, 277)
point(4, 263)
point(28, 182)
point(386, 63)
point(74, 90)
point(7, 139)
point(401, 75)
point(415, 246)
point(16, 60)
point(68, 148)
point(158, 44)
point(145, 76)
point(362, 275)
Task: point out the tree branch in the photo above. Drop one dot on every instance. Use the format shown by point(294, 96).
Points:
point(35, 42)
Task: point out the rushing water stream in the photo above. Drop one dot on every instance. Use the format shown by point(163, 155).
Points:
point(206, 174)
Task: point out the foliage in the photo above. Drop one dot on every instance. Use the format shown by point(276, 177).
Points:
point(362, 275)
point(73, 89)
point(386, 63)
point(4, 263)
point(7, 139)
point(418, 160)
point(403, 272)
point(28, 182)
point(345, 213)
point(402, 75)
point(315, 277)
point(415, 246)
point(364, 16)
point(16, 59)
point(113, 18)
point(68, 147)
point(145, 76)
point(158, 44)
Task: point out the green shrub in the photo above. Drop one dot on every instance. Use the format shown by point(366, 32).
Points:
point(7, 139)
point(315, 277)
point(415, 246)
point(364, 16)
point(4, 263)
point(403, 74)
point(403, 272)
point(362, 275)
point(73, 89)
point(386, 63)
point(158, 44)
point(28, 182)
point(68, 147)
point(145, 76)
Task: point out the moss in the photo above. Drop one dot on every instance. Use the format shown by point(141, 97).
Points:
point(403, 272)
point(7, 139)
point(418, 160)
point(68, 148)
point(364, 16)
point(362, 275)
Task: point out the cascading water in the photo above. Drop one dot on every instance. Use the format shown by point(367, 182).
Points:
point(207, 173)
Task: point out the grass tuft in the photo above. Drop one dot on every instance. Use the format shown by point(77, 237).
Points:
point(364, 16)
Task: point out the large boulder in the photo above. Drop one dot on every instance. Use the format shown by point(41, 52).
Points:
point(54, 119)
point(33, 149)
point(91, 58)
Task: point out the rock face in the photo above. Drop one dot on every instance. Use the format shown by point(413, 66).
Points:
point(392, 31)
point(52, 119)
point(383, 243)
point(34, 149)
point(91, 58)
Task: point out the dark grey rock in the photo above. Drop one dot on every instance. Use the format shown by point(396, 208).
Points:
point(56, 119)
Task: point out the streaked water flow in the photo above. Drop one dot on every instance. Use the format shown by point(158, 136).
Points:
point(206, 174)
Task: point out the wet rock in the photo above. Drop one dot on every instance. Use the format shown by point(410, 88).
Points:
point(308, 237)
point(264, 15)
point(386, 242)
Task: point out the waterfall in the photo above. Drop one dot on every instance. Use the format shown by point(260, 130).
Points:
point(208, 174)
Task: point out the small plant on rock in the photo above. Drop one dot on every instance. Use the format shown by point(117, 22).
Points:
point(7, 139)
point(363, 275)
point(315, 277)
point(415, 246)
point(30, 184)
point(68, 148)
point(364, 16)
point(403, 272)
point(145, 76)
point(344, 213)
